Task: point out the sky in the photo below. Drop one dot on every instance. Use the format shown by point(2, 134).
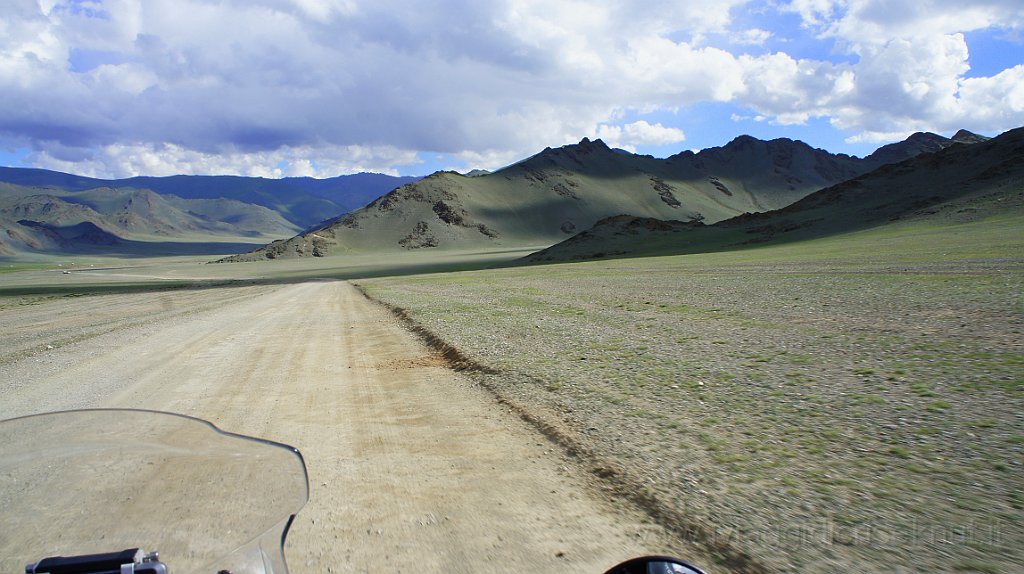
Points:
point(279, 88)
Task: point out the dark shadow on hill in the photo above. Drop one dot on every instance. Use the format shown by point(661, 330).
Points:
point(301, 200)
point(952, 185)
point(140, 249)
point(87, 238)
point(128, 286)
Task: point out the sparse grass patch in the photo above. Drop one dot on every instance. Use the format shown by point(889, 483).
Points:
point(643, 414)
point(899, 452)
point(923, 390)
point(870, 399)
point(799, 359)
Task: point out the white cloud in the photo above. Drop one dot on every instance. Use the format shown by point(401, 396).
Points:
point(792, 90)
point(995, 101)
point(868, 22)
point(130, 78)
point(324, 10)
point(489, 159)
point(638, 133)
point(753, 37)
point(235, 78)
point(643, 133)
point(873, 137)
point(239, 86)
point(126, 160)
point(815, 12)
point(910, 72)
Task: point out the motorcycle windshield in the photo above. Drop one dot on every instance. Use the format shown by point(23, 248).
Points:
point(94, 481)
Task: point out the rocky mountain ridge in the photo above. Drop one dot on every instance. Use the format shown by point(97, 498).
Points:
point(959, 183)
point(558, 192)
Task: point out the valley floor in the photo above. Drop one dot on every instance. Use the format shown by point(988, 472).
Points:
point(412, 467)
point(848, 404)
point(798, 410)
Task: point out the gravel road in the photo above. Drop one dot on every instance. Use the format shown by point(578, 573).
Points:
point(412, 467)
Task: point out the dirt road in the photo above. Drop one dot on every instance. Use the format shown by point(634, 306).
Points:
point(411, 467)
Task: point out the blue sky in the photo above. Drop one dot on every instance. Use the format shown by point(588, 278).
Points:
point(115, 88)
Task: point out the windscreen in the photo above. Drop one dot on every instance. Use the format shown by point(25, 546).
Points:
point(83, 482)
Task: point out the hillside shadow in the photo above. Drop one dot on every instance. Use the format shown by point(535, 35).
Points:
point(342, 273)
point(140, 249)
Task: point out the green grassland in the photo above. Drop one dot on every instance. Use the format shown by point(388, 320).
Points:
point(850, 403)
point(78, 275)
point(799, 391)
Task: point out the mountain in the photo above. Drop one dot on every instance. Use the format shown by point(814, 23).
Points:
point(303, 201)
point(50, 220)
point(916, 144)
point(964, 136)
point(919, 143)
point(556, 193)
point(954, 183)
point(46, 237)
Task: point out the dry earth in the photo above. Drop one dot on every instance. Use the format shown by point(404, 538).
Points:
point(412, 467)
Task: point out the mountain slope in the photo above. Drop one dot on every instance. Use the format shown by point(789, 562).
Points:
point(47, 237)
point(48, 220)
point(956, 183)
point(553, 194)
point(303, 201)
point(916, 144)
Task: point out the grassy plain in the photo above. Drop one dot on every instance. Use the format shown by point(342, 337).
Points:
point(848, 404)
point(63, 275)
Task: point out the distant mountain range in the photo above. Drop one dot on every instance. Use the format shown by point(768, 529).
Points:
point(40, 210)
point(537, 202)
point(558, 193)
point(304, 201)
point(950, 185)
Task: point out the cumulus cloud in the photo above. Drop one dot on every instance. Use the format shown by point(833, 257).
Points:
point(867, 22)
point(632, 135)
point(229, 78)
point(118, 87)
point(909, 73)
point(126, 160)
point(753, 37)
